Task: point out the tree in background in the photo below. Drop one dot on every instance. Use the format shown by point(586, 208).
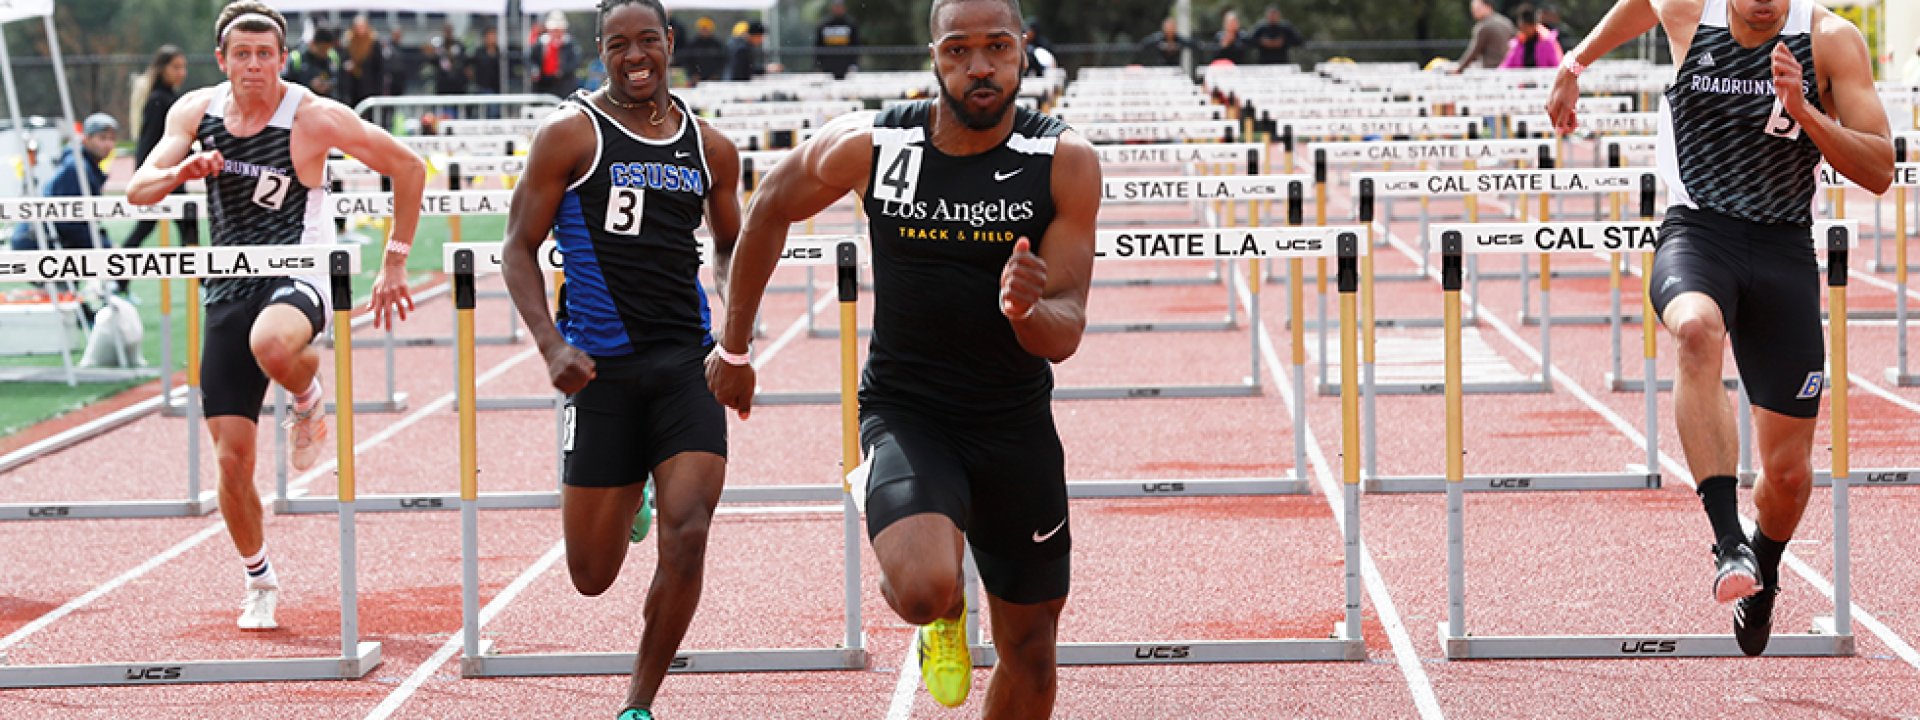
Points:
point(95, 28)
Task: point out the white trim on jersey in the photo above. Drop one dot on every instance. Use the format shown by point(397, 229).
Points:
point(1031, 146)
point(282, 115)
point(686, 118)
point(598, 144)
point(1666, 159)
point(699, 147)
point(898, 136)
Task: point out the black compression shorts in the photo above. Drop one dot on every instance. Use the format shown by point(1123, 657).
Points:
point(1767, 283)
point(638, 411)
point(1004, 484)
point(231, 381)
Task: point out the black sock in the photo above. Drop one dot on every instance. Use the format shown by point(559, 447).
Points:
point(1768, 550)
point(1720, 495)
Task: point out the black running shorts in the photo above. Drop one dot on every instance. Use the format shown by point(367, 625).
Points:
point(638, 411)
point(1767, 283)
point(231, 381)
point(1003, 483)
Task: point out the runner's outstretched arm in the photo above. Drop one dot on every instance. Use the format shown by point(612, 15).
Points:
point(559, 154)
point(1045, 296)
point(1855, 139)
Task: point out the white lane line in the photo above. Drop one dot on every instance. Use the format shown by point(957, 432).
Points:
point(426, 670)
point(1806, 572)
point(266, 501)
point(1404, 654)
point(1884, 393)
point(1894, 288)
point(907, 686)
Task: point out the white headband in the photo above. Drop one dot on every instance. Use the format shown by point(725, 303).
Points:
point(250, 16)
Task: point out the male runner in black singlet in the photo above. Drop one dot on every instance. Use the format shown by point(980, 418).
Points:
point(1742, 129)
point(983, 225)
point(263, 152)
point(621, 177)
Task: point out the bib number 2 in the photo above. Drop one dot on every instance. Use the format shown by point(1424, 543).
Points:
point(624, 208)
point(271, 191)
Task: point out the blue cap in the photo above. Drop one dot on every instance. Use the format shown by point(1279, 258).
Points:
point(98, 123)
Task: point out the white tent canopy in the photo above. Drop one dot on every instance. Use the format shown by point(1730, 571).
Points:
point(536, 7)
point(11, 10)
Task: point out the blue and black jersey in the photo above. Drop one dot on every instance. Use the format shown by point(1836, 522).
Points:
point(625, 232)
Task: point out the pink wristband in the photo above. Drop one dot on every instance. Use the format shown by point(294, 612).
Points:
point(737, 360)
point(1571, 65)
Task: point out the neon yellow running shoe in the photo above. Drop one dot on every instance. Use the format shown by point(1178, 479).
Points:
point(946, 666)
point(643, 520)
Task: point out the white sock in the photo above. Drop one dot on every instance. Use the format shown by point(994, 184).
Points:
point(259, 570)
point(304, 401)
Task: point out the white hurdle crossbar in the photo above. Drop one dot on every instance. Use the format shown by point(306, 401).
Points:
point(480, 660)
point(356, 658)
point(1831, 636)
point(1345, 642)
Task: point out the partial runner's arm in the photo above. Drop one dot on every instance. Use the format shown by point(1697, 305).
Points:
point(723, 200)
point(339, 127)
point(561, 150)
point(813, 176)
point(1045, 296)
point(1855, 139)
point(168, 164)
point(1627, 20)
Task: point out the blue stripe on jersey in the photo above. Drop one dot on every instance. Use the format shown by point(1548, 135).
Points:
point(592, 323)
point(706, 313)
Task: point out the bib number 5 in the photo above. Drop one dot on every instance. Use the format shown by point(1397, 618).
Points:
point(624, 208)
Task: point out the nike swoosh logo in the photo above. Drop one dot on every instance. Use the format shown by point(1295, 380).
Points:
point(683, 154)
point(1000, 177)
point(1039, 538)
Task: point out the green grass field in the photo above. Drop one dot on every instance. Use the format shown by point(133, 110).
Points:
point(22, 404)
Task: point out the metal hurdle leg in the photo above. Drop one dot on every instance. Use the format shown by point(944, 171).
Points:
point(850, 654)
point(1345, 642)
point(1830, 636)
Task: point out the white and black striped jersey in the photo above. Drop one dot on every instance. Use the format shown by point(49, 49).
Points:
point(1726, 143)
point(943, 229)
point(257, 197)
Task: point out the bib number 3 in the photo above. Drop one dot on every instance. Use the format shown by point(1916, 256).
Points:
point(1780, 124)
point(624, 208)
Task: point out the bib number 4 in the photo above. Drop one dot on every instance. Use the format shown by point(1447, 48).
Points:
point(899, 173)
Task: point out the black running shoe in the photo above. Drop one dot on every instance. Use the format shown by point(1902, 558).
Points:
point(1753, 621)
point(1736, 573)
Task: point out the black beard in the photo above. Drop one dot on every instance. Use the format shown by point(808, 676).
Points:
point(978, 121)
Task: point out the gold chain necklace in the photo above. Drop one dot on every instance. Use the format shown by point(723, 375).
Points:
point(653, 118)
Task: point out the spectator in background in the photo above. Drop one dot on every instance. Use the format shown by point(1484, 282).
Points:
point(553, 62)
point(1164, 47)
point(1910, 68)
point(1039, 52)
point(153, 96)
point(1491, 34)
point(99, 133)
point(485, 66)
point(317, 66)
point(363, 73)
point(1532, 46)
point(1276, 38)
point(446, 59)
point(836, 42)
point(393, 60)
point(743, 53)
point(1231, 43)
point(705, 56)
point(1550, 19)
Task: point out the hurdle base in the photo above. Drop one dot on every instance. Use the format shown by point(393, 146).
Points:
point(1533, 319)
point(1198, 652)
point(1535, 276)
point(111, 510)
point(425, 502)
point(194, 671)
point(1649, 645)
point(1871, 478)
point(1410, 322)
point(1633, 479)
point(395, 404)
point(424, 341)
point(1189, 487)
point(489, 664)
point(1901, 379)
point(1532, 384)
point(834, 332)
point(529, 402)
point(1627, 384)
point(1147, 327)
point(1158, 282)
point(796, 398)
point(1887, 267)
point(1244, 389)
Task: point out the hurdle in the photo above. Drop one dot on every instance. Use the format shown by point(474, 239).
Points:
point(1547, 239)
point(1831, 636)
point(356, 658)
point(481, 660)
point(1344, 643)
point(1249, 156)
point(60, 265)
point(1904, 142)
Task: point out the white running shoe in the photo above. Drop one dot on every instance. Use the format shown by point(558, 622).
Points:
point(309, 431)
point(257, 608)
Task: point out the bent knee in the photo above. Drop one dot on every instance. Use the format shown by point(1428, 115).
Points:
point(923, 600)
point(592, 581)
